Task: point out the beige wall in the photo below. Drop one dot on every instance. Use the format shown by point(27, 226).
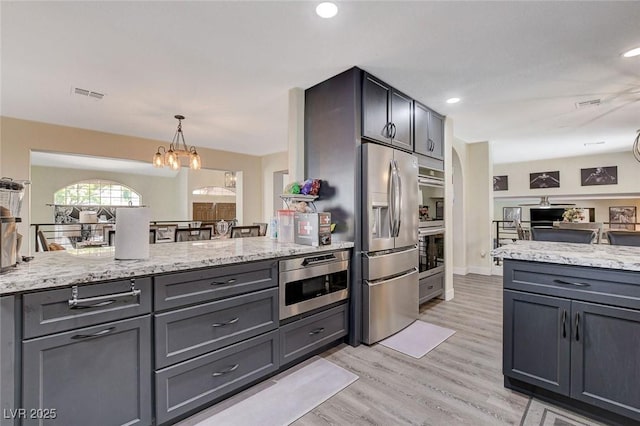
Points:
point(19, 137)
point(158, 193)
point(628, 175)
point(270, 164)
point(478, 207)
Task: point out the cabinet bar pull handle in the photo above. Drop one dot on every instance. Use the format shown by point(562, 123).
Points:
point(316, 331)
point(564, 321)
point(577, 326)
point(393, 129)
point(230, 281)
point(228, 370)
point(222, 324)
point(573, 283)
point(98, 334)
point(74, 301)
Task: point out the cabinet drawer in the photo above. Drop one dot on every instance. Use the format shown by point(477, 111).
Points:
point(620, 288)
point(192, 331)
point(431, 287)
point(304, 336)
point(193, 383)
point(49, 312)
point(184, 288)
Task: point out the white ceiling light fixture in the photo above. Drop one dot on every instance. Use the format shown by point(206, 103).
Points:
point(171, 157)
point(631, 53)
point(327, 10)
point(453, 100)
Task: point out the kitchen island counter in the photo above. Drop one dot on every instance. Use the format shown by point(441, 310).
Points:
point(81, 266)
point(590, 255)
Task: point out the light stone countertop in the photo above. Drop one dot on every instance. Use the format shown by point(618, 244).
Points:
point(592, 255)
point(70, 267)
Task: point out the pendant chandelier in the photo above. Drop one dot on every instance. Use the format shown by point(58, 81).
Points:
point(176, 150)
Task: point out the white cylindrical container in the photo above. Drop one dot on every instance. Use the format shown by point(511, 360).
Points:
point(132, 233)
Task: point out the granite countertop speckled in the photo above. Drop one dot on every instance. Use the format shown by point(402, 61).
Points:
point(69, 267)
point(592, 255)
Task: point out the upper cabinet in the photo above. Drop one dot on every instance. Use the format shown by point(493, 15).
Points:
point(387, 114)
point(429, 132)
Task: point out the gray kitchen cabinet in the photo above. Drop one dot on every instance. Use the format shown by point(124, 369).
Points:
point(302, 337)
point(537, 340)
point(97, 375)
point(51, 311)
point(197, 286)
point(575, 331)
point(430, 287)
point(387, 114)
point(429, 135)
point(189, 385)
point(184, 333)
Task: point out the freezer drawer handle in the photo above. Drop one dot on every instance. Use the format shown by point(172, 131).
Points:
point(576, 284)
point(316, 331)
point(226, 371)
point(74, 301)
point(222, 324)
point(384, 280)
point(98, 334)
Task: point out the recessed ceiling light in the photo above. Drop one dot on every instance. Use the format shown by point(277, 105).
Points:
point(631, 53)
point(327, 10)
point(453, 100)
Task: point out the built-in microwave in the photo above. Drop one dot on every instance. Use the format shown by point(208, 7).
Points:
point(431, 196)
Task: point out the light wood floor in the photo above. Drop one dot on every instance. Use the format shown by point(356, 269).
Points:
point(458, 383)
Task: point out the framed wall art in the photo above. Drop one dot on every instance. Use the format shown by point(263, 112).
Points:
point(599, 176)
point(501, 183)
point(511, 214)
point(622, 217)
point(544, 180)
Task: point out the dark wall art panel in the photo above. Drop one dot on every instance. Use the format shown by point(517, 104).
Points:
point(544, 180)
point(599, 176)
point(501, 183)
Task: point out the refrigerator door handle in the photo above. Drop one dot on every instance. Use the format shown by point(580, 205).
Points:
point(398, 194)
point(392, 198)
point(386, 280)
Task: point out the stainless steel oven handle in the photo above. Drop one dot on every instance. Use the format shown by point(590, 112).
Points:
point(425, 232)
point(313, 271)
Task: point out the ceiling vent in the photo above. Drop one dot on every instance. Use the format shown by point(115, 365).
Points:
point(88, 93)
point(589, 103)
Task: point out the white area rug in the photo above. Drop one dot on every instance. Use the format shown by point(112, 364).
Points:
point(540, 413)
point(417, 339)
point(281, 400)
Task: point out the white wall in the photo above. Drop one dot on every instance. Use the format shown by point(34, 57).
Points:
point(160, 194)
point(458, 227)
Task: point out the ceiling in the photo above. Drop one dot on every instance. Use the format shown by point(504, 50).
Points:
point(518, 66)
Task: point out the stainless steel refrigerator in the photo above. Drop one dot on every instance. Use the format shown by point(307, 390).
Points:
point(389, 241)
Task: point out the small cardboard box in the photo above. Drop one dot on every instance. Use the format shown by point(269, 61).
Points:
point(313, 229)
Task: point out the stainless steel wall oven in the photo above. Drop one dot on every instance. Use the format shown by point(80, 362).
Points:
point(308, 283)
point(430, 251)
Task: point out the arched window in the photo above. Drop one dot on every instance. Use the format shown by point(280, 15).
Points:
point(97, 193)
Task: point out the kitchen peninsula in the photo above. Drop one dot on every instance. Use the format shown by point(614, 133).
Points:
point(87, 339)
point(571, 325)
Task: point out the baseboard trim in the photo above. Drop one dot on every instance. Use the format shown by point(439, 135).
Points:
point(480, 270)
point(460, 270)
point(448, 295)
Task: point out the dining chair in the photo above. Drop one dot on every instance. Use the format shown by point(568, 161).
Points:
point(582, 225)
point(44, 243)
point(582, 236)
point(624, 238)
point(263, 228)
point(193, 234)
point(245, 231)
